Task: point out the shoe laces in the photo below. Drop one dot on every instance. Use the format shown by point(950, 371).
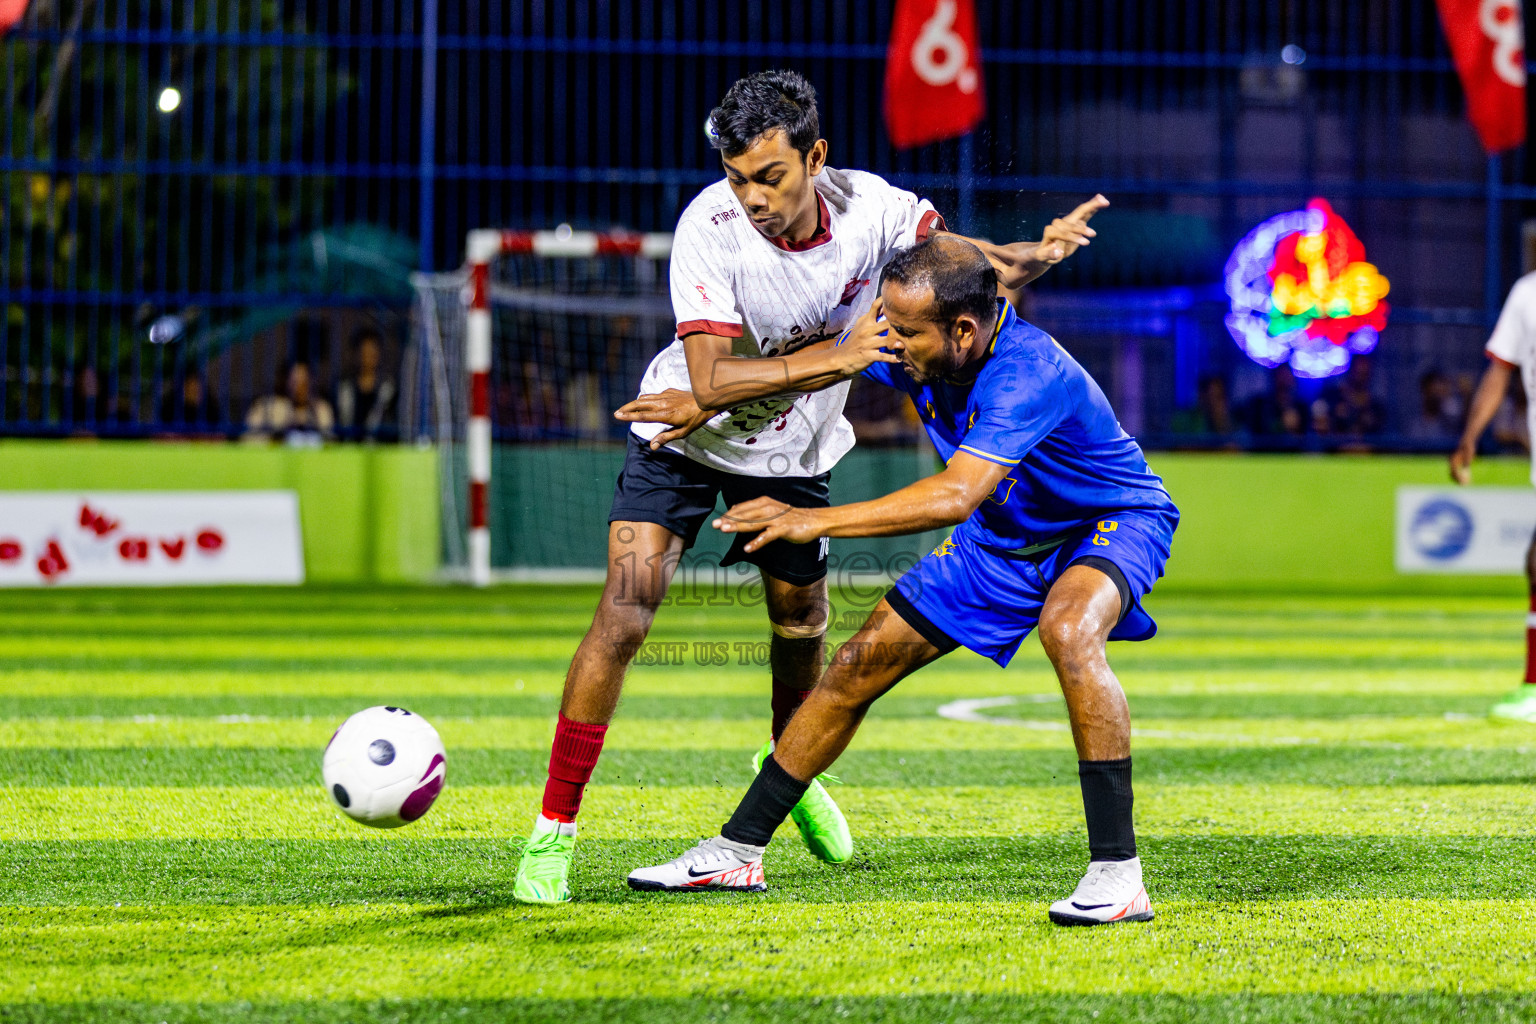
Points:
point(541, 868)
point(707, 852)
point(1099, 884)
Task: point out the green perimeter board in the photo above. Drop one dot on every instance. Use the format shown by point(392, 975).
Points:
point(369, 514)
point(1247, 519)
point(1324, 520)
point(372, 513)
point(549, 509)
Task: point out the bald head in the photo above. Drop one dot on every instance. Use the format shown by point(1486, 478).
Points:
point(939, 299)
point(954, 271)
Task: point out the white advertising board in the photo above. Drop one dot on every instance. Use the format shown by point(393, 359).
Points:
point(149, 538)
point(1481, 530)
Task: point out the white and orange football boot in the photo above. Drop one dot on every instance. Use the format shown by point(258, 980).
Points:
point(715, 865)
point(1110, 893)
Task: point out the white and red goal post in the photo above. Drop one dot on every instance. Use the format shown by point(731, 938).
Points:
point(482, 248)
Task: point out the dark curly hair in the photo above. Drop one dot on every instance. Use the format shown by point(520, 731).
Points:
point(765, 102)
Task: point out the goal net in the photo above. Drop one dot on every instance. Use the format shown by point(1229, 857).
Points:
point(519, 360)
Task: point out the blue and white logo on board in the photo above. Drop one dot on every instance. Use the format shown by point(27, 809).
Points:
point(1442, 529)
point(1464, 529)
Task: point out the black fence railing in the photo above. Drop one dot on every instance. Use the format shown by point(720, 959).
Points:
point(252, 183)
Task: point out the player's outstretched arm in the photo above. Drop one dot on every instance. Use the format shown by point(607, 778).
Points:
point(1019, 263)
point(1485, 402)
point(934, 503)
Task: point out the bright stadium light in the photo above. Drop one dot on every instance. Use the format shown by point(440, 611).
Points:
point(170, 99)
point(1293, 54)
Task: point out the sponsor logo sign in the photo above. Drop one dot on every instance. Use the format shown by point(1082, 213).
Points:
point(149, 538)
point(1483, 530)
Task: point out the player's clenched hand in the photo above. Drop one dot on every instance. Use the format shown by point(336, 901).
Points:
point(1065, 235)
point(674, 407)
point(771, 520)
point(866, 342)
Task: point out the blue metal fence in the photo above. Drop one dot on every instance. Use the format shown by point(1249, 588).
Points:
point(321, 150)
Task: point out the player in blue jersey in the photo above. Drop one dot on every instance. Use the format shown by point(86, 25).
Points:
point(1059, 525)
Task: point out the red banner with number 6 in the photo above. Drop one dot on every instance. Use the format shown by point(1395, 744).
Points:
point(1487, 40)
point(933, 88)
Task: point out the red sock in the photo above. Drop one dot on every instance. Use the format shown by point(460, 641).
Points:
point(571, 760)
point(1530, 642)
point(786, 700)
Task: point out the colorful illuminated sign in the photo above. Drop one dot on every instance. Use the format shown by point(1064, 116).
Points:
point(1302, 293)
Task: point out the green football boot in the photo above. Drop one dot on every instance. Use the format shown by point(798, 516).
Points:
point(546, 863)
point(818, 818)
point(1520, 706)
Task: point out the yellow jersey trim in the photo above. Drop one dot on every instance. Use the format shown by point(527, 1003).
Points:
point(987, 455)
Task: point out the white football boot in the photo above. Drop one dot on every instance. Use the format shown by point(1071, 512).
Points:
point(715, 864)
point(1110, 893)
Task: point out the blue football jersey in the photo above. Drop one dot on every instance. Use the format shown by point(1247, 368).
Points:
point(1034, 408)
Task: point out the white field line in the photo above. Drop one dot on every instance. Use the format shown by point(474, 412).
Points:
point(970, 711)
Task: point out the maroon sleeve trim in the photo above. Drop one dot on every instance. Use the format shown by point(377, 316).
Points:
point(1500, 361)
point(930, 223)
point(708, 327)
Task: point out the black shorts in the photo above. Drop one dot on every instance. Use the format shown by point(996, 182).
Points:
point(673, 491)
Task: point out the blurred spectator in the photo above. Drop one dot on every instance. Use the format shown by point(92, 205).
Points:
point(1212, 413)
point(530, 401)
point(1439, 415)
point(581, 391)
point(1281, 412)
point(293, 414)
point(632, 342)
point(620, 372)
point(93, 407)
point(365, 401)
point(1511, 430)
point(538, 400)
point(90, 397)
point(190, 406)
point(1466, 383)
point(582, 399)
point(1349, 409)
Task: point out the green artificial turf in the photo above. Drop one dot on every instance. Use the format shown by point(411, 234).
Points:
point(1331, 828)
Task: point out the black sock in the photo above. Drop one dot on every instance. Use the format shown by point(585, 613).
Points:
point(1107, 802)
point(767, 803)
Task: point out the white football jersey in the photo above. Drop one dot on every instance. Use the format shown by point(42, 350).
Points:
point(1514, 342)
point(772, 298)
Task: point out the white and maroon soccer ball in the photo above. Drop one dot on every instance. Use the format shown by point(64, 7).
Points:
point(384, 767)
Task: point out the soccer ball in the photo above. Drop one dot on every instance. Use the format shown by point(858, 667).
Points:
point(384, 767)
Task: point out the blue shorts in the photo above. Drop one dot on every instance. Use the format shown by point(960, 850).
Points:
point(966, 594)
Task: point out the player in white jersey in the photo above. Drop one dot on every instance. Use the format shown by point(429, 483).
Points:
point(771, 297)
point(768, 267)
point(1512, 347)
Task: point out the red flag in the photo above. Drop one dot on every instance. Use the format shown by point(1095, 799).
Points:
point(933, 87)
point(1487, 40)
point(10, 13)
